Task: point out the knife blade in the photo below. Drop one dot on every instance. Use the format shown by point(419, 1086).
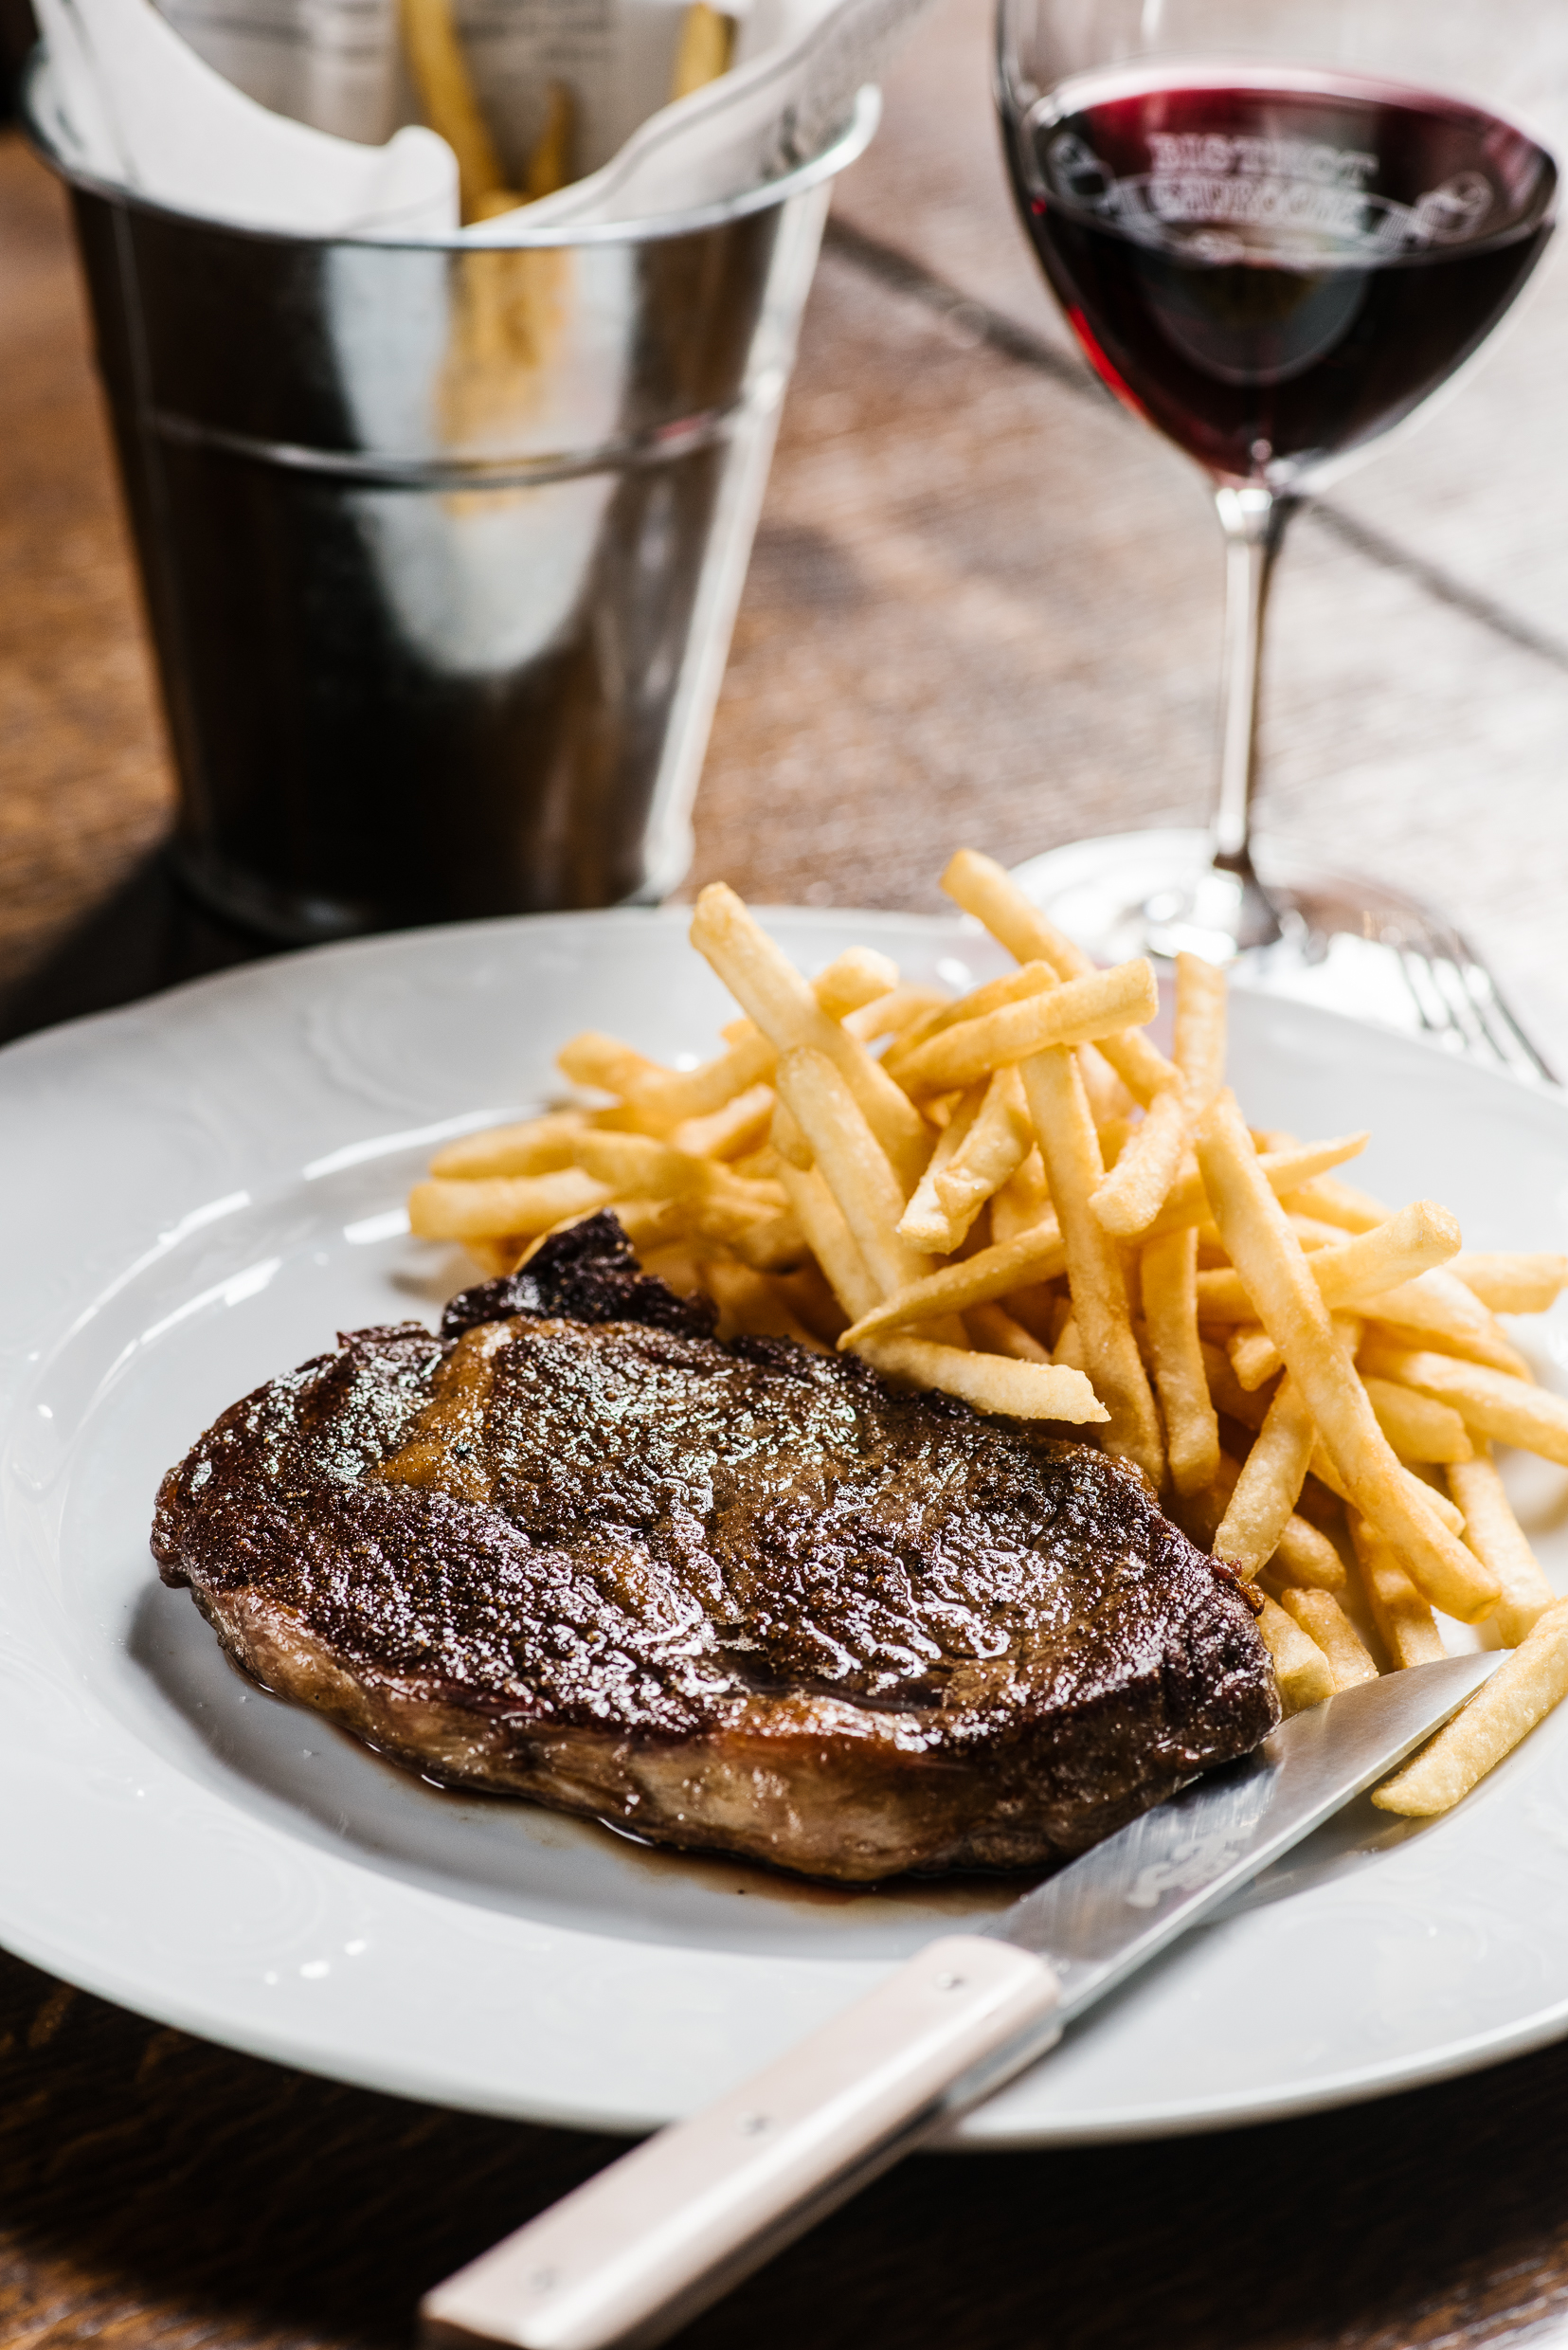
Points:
point(645, 2244)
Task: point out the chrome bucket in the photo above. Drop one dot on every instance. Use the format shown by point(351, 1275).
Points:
point(442, 546)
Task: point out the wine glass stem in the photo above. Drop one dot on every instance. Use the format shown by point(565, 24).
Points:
point(1254, 521)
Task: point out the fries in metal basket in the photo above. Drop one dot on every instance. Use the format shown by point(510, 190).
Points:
point(1014, 1198)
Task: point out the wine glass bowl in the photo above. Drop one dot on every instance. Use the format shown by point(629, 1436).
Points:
point(1276, 229)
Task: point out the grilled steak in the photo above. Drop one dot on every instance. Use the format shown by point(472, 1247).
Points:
point(737, 1596)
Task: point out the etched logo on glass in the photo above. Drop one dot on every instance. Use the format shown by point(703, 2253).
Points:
point(1222, 197)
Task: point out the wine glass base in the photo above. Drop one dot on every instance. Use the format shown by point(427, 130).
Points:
point(1351, 944)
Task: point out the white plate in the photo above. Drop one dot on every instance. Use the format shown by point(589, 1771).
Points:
point(195, 1194)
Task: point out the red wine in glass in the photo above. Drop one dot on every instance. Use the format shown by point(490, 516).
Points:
point(1273, 267)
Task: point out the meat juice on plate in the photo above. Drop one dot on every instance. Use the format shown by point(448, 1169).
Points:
point(1273, 268)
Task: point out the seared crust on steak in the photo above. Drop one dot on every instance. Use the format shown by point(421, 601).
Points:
point(736, 1596)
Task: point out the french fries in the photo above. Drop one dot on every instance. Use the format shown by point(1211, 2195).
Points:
point(995, 900)
point(1350, 1272)
point(1270, 1261)
point(1075, 1013)
point(1073, 1170)
point(1013, 1198)
point(1525, 1685)
point(761, 976)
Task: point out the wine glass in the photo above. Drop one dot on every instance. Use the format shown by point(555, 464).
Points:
point(1276, 227)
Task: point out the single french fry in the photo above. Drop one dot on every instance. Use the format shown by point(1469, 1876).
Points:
point(1071, 1153)
point(1509, 1282)
point(1504, 1710)
point(1254, 1357)
point(1032, 979)
point(995, 900)
point(591, 1058)
point(1500, 1543)
point(1188, 1203)
point(1405, 1246)
point(1322, 1620)
point(1512, 1410)
point(1169, 1289)
point(1307, 1557)
point(498, 1207)
point(991, 1383)
point(1402, 1615)
point(1024, 1201)
point(1444, 1314)
point(997, 1142)
point(1269, 1485)
point(1138, 1186)
point(1269, 1258)
point(762, 978)
point(977, 1281)
point(993, 1331)
point(549, 164)
point(1075, 1012)
point(1198, 1048)
point(536, 1146)
point(440, 76)
point(1341, 1205)
point(1417, 1426)
point(707, 45)
point(1304, 1673)
point(830, 1240)
point(927, 1223)
point(727, 1133)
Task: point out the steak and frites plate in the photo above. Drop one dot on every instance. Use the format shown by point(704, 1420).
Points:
point(198, 1191)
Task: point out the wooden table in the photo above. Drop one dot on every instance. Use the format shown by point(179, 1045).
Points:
point(983, 607)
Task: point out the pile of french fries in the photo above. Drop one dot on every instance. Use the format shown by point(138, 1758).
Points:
point(1016, 1198)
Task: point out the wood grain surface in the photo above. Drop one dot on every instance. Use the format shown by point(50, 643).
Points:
point(984, 606)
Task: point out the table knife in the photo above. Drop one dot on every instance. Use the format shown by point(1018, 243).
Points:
point(637, 2250)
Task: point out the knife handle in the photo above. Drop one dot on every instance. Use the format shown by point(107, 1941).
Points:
point(639, 2250)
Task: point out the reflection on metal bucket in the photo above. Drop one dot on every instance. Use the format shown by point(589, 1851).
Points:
point(442, 546)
